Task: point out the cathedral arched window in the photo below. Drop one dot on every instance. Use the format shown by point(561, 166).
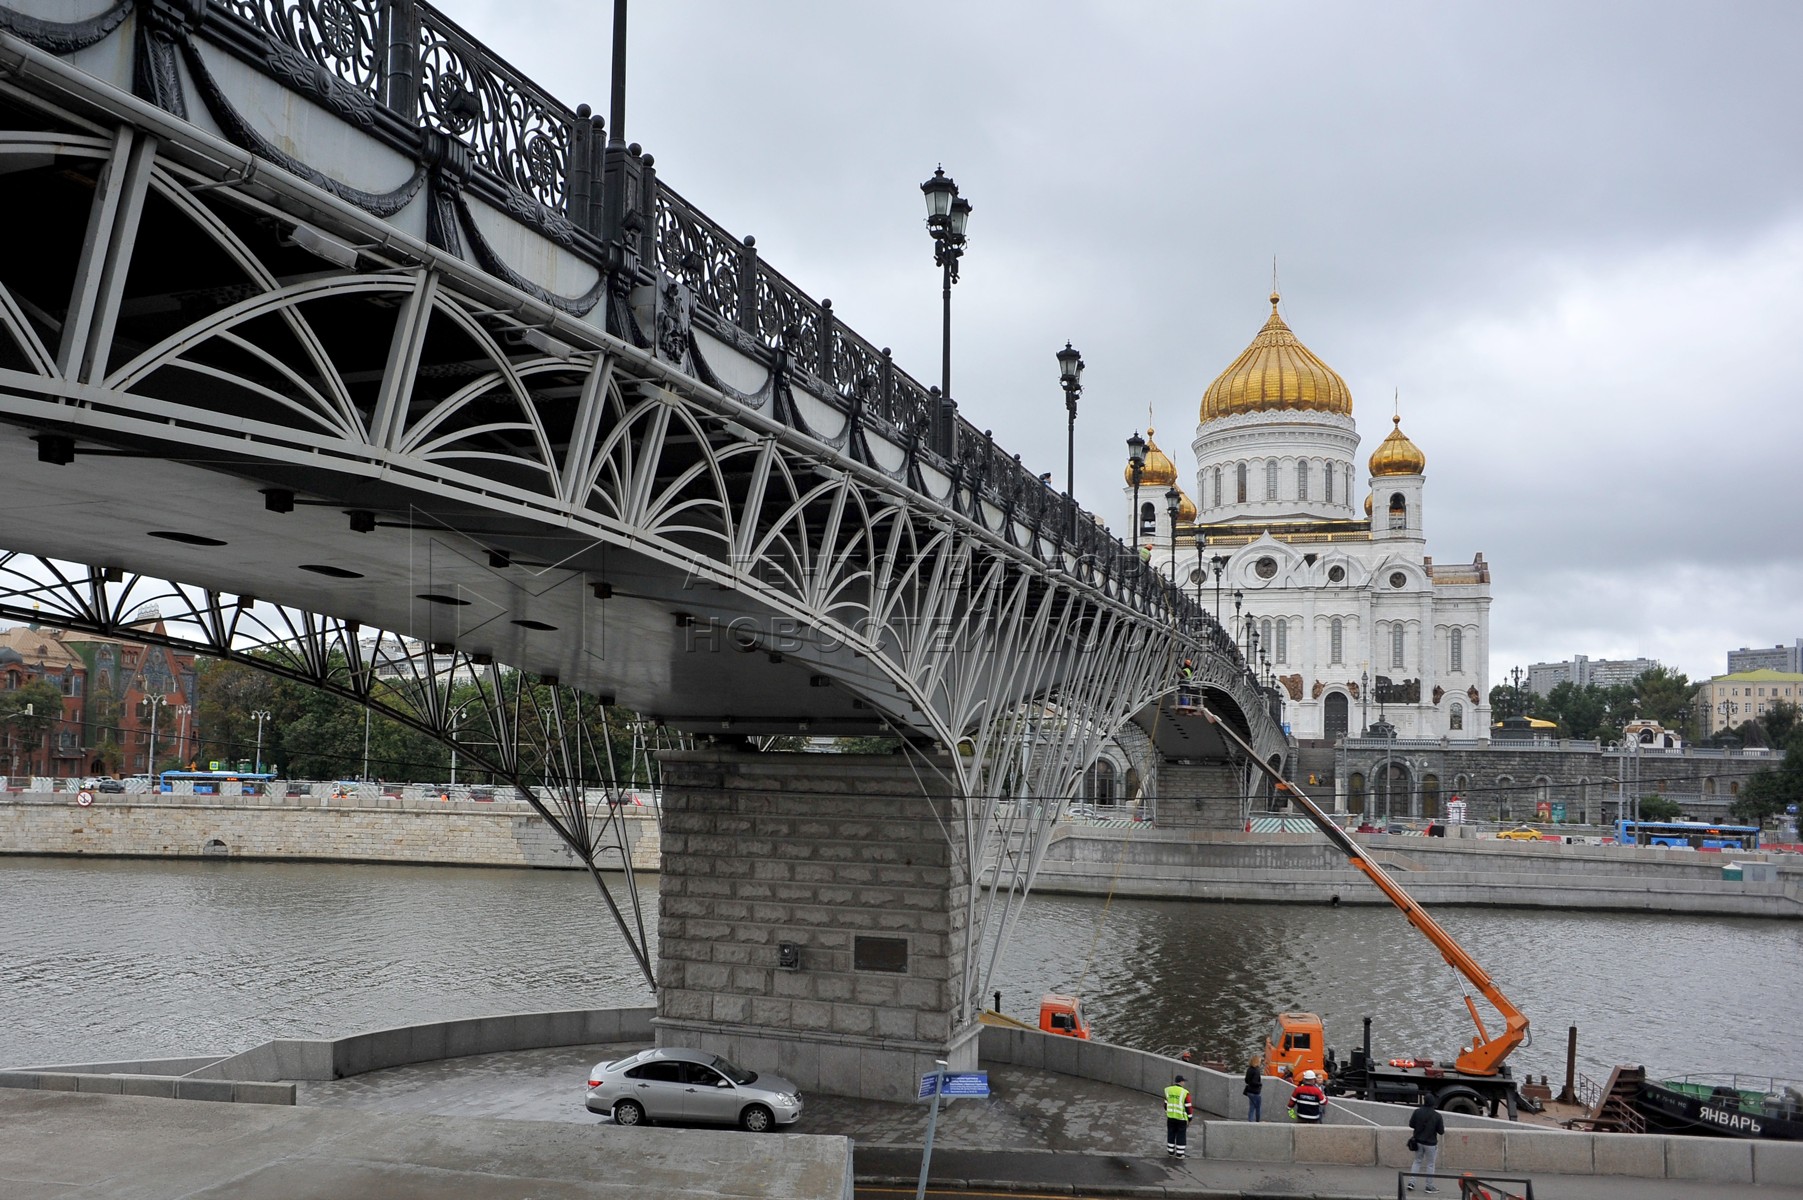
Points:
point(1217, 487)
point(1327, 482)
point(1271, 479)
point(1336, 641)
point(1148, 519)
point(1264, 635)
point(1399, 511)
point(1455, 651)
point(1396, 646)
point(1349, 492)
point(1302, 479)
point(1283, 641)
point(1456, 716)
point(1240, 472)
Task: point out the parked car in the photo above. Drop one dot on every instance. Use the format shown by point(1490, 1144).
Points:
point(106, 783)
point(673, 1084)
point(1520, 833)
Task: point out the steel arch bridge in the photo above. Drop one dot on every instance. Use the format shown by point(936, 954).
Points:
point(428, 357)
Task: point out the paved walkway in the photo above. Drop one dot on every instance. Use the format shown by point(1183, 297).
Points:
point(1111, 1139)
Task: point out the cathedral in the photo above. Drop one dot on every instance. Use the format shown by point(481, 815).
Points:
point(1326, 586)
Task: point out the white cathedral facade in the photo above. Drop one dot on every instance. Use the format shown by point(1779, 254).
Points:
point(1326, 585)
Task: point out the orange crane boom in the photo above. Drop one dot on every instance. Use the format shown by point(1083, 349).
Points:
point(1485, 1054)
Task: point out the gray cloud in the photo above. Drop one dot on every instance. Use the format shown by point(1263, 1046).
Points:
point(1571, 235)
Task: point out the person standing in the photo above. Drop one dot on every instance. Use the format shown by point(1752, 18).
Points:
point(1255, 1090)
point(1308, 1102)
point(1178, 1109)
point(1427, 1125)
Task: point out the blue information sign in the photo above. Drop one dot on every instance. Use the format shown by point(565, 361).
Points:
point(971, 1083)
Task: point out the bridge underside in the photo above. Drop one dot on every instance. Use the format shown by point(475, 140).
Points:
point(665, 644)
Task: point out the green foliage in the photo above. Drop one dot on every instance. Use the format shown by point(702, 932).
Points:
point(1768, 793)
point(1658, 808)
point(1662, 695)
point(1781, 722)
point(867, 745)
point(30, 711)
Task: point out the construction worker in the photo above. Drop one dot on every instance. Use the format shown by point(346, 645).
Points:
point(1308, 1101)
point(1178, 1110)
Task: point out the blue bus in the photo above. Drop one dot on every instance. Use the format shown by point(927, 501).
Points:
point(1697, 835)
point(213, 783)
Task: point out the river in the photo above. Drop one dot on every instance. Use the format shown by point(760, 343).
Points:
point(126, 959)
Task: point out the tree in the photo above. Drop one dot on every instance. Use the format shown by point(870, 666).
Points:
point(1781, 722)
point(27, 714)
point(1774, 789)
point(1658, 808)
point(1662, 695)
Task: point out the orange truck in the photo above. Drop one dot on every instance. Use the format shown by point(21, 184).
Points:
point(1474, 1080)
point(1063, 1015)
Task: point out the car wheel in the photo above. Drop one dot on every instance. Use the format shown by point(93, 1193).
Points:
point(757, 1119)
point(629, 1112)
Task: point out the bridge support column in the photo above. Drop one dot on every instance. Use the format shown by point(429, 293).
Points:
point(812, 918)
point(1200, 795)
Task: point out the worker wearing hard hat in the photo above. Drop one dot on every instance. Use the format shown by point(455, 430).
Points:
point(1308, 1102)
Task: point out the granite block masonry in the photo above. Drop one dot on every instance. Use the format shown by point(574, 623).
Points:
point(812, 918)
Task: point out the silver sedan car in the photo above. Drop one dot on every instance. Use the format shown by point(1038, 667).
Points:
point(673, 1084)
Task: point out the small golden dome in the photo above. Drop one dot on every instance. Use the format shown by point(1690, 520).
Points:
point(1159, 471)
point(1396, 455)
point(1186, 508)
point(1367, 506)
point(1276, 372)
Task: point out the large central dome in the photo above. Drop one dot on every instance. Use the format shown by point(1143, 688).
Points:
point(1276, 373)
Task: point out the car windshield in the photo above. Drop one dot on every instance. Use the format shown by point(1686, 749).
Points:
point(737, 1074)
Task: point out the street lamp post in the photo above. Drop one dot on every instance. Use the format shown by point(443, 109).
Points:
point(1365, 700)
point(155, 703)
point(1201, 564)
point(1136, 466)
point(456, 721)
point(1173, 500)
point(261, 715)
point(1219, 563)
point(182, 752)
point(948, 214)
point(1070, 377)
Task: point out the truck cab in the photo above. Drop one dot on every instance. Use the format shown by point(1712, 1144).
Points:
point(1296, 1044)
point(1062, 1015)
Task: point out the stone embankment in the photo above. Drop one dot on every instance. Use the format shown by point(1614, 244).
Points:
point(1165, 864)
point(359, 825)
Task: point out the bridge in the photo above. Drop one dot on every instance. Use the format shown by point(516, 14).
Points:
point(332, 344)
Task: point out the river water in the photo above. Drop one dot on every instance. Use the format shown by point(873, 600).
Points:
point(126, 959)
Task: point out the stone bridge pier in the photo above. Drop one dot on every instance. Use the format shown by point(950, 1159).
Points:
point(813, 916)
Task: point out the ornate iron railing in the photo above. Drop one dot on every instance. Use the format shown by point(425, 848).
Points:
point(402, 69)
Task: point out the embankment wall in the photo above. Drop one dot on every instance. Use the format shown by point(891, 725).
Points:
point(1364, 1133)
point(1303, 869)
point(366, 829)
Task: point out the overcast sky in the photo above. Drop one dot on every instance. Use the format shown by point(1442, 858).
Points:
point(1570, 234)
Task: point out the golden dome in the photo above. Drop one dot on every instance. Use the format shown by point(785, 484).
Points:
point(1367, 506)
point(1186, 508)
point(1276, 373)
point(1159, 471)
point(1396, 455)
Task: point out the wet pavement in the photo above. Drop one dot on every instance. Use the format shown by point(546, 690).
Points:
point(1108, 1140)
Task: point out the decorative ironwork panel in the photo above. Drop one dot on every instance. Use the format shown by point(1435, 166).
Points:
point(514, 130)
point(344, 38)
point(787, 318)
point(699, 253)
point(857, 368)
point(909, 406)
